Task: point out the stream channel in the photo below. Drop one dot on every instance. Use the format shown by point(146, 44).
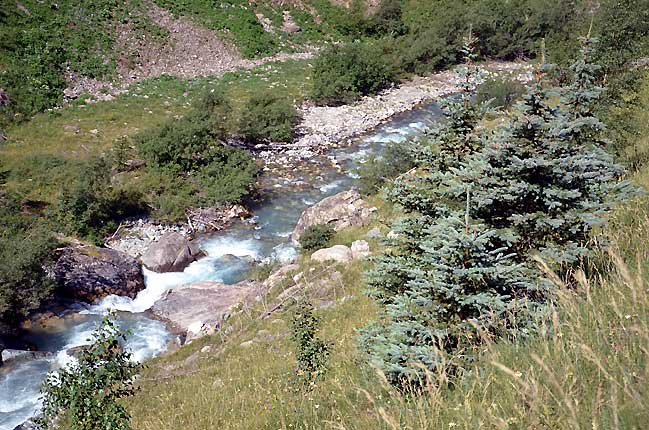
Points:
point(266, 239)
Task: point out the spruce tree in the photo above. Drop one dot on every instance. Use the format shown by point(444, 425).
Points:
point(445, 281)
point(544, 177)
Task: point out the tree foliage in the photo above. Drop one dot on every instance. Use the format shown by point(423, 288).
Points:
point(480, 208)
point(86, 394)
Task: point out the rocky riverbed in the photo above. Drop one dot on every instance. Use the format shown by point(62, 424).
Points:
point(324, 127)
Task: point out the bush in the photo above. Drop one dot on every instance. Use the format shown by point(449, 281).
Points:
point(501, 92)
point(312, 353)
point(394, 160)
point(190, 166)
point(316, 237)
point(92, 207)
point(343, 74)
point(86, 394)
point(25, 250)
point(267, 117)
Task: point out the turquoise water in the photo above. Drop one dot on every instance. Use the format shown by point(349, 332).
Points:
point(231, 254)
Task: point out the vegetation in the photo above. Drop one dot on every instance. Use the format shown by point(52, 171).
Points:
point(86, 394)
point(500, 93)
point(343, 74)
point(25, 252)
point(91, 207)
point(316, 237)
point(377, 170)
point(312, 353)
point(267, 117)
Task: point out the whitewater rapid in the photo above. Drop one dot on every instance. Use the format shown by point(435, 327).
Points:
point(231, 254)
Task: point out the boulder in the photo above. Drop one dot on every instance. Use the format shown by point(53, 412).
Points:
point(200, 308)
point(19, 354)
point(90, 273)
point(360, 249)
point(172, 253)
point(346, 209)
point(337, 253)
point(27, 425)
point(289, 25)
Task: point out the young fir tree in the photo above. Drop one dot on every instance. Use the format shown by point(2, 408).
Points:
point(445, 281)
point(543, 177)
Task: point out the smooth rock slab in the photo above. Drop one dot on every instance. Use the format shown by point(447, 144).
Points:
point(337, 253)
point(200, 308)
point(172, 253)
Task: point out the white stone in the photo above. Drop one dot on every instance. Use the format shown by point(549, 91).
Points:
point(360, 249)
point(337, 253)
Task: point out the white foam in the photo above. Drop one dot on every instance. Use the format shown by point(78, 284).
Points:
point(285, 253)
point(330, 186)
point(224, 245)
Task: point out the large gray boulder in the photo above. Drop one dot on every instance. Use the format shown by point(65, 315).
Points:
point(200, 308)
point(89, 273)
point(346, 209)
point(172, 253)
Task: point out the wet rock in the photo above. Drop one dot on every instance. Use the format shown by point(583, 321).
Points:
point(18, 354)
point(172, 253)
point(199, 309)
point(90, 273)
point(337, 253)
point(2, 348)
point(360, 249)
point(346, 209)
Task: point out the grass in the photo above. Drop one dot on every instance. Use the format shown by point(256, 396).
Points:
point(590, 369)
point(40, 153)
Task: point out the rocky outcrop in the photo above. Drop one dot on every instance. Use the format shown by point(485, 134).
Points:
point(200, 308)
point(172, 253)
point(89, 273)
point(346, 209)
point(337, 253)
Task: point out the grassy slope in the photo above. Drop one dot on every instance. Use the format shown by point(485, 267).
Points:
point(590, 371)
point(39, 153)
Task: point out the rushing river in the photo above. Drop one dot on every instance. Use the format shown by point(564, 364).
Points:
point(265, 239)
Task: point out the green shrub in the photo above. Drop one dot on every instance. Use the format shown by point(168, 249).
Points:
point(316, 237)
point(189, 165)
point(395, 159)
point(343, 74)
point(312, 353)
point(86, 394)
point(25, 251)
point(501, 92)
point(268, 117)
point(92, 207)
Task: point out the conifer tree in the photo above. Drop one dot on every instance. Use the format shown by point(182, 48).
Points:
point(445, 281)
point(544, 178)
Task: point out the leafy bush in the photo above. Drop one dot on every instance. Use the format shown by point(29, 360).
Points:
point(25, 251)
point(343, 74)
point(316, 237)
point(91, 206)
point(268, 117)
point(86, 395)
point(395, 159)
point(190, 166)
point(312, 353)
point(501, 92)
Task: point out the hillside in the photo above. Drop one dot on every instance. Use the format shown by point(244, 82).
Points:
point(399, 214)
